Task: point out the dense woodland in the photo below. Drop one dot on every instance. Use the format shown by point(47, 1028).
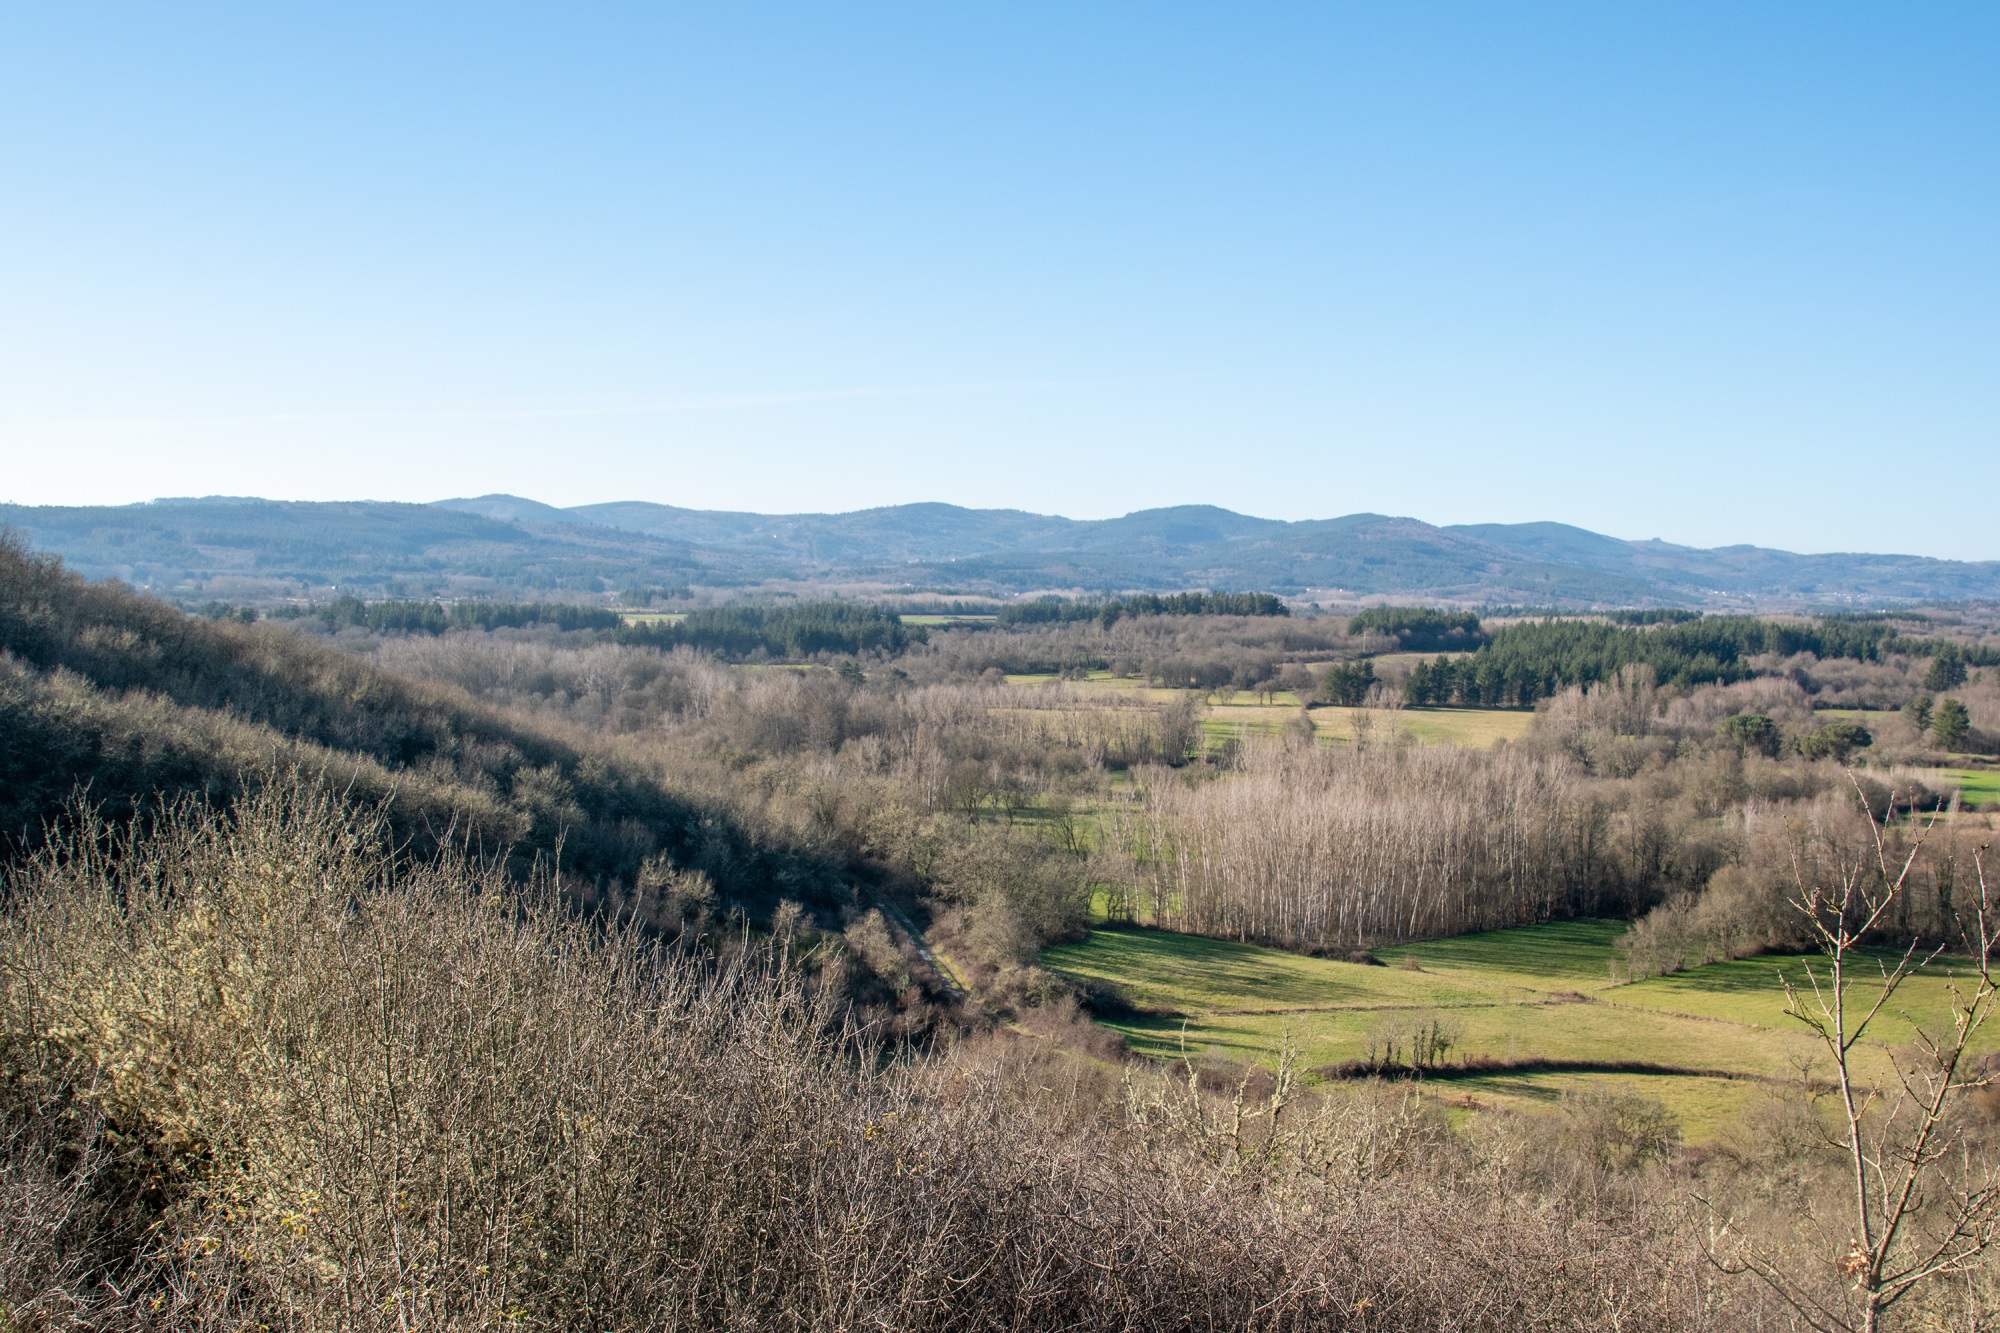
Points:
point(1054, 610)
point(795, 631)
point(615, 872)
point(1533, 660)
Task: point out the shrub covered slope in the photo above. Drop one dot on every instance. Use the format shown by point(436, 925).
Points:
point(125, 698)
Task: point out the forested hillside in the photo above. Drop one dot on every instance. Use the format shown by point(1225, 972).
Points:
point(506, 548)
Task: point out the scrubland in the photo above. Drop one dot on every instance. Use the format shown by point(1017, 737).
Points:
point(258, 1074)
point(1101, 973)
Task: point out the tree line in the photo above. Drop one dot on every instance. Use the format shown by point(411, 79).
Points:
point(1526, 662)
point(1062, 610)
point(799, 630)
point(1316, 849)
point(1420, 629)
point(420, 616)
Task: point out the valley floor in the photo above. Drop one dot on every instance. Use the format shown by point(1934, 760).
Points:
point(1240, 714)
point(1541, 1001)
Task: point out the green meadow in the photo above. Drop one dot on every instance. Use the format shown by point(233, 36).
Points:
point(1535, 994)
point(1478, 728)
point(1240, 714)
point(1981, 785)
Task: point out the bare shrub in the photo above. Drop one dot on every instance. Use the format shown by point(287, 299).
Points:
point(63, 1223)
point(392, 1097)
point(1923, 1192)
point(1618, 1129)
point(1063, 1020)
point(1748, 905)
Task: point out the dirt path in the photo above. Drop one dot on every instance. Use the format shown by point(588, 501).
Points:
point(948, 975)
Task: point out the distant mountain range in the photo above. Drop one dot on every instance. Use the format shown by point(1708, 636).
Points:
point(236, 549)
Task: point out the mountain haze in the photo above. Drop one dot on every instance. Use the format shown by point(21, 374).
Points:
point(504, 545)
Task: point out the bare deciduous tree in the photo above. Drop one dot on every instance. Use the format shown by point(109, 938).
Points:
point(1920, 1204)
point(1311, 847)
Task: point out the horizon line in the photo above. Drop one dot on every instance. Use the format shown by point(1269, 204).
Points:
point(449, 501)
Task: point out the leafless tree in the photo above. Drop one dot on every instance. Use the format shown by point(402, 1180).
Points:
point(1315, 847)
point(1921, 1204)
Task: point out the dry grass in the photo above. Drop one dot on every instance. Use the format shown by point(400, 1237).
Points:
point(1247, 713)
point(1477, 728)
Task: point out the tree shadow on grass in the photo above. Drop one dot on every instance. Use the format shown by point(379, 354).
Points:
point(1196, 967)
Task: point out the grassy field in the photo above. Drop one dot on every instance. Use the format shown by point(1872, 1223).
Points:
point(1979, 787)
point(1240, 714)
point(1399, 664)
point(675, 617)
point(1537, 993)
point(1976, 784)
point(1479, 728)
point(1476, 727)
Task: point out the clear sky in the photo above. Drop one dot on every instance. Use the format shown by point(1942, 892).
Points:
point(1713, 273)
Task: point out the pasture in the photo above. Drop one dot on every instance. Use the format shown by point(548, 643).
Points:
point(1479, 728)
point(1335, 724)
point(1240, 714)
point(1980, 785)
point(1542, 994)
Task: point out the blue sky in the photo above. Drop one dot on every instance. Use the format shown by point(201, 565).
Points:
point(1712, 273)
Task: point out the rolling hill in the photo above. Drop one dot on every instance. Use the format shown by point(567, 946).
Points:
point(243, 549)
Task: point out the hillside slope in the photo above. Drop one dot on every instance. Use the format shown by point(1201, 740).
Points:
point(243, 550)
point(125, 700)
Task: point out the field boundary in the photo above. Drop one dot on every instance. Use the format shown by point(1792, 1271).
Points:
point(1382, 1008)
point(1481, 1068)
